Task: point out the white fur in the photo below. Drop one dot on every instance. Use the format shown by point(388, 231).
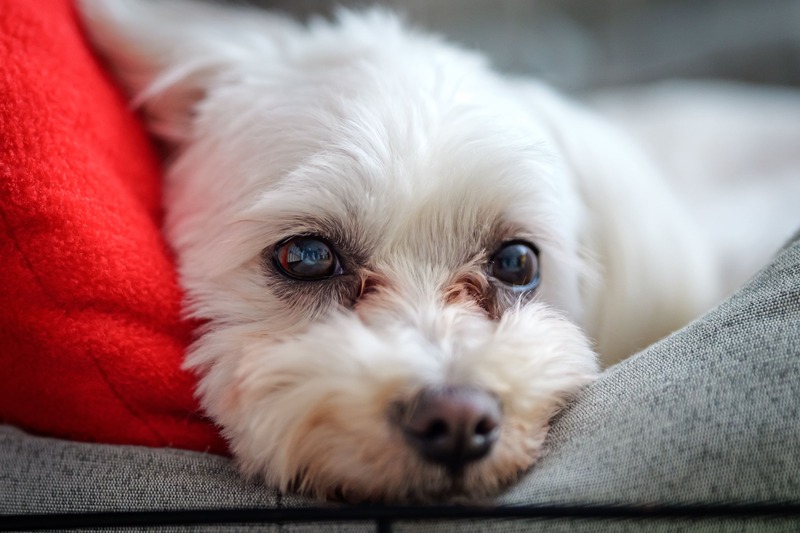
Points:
point(416, 153)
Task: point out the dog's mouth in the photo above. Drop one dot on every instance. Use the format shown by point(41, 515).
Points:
point(420, 482)
point(444, 445)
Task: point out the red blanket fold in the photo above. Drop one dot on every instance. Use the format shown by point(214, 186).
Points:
point(91, 341)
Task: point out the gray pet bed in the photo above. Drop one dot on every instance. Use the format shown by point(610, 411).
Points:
point(708, 416)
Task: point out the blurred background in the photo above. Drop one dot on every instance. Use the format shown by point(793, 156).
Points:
point(581, 45)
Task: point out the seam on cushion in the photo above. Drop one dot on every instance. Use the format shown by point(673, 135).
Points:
point(16, 246)
point(37, 279)
point(151, 323)
point(125, 404)
point(13, 239)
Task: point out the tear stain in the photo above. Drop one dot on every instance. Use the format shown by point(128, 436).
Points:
point(472, 290)
point(370, 284)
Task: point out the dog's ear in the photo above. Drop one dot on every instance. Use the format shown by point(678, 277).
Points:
point(658, 270)
point(169, 53)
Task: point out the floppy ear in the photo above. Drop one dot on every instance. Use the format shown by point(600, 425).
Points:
point(658, 270)
point(170, 53)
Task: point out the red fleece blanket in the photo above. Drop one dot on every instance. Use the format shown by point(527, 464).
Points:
point(91, 341)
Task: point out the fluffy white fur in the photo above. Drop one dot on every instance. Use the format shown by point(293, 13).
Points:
point(420, 160)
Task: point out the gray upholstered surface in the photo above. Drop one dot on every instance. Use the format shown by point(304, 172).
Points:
point(711, 414)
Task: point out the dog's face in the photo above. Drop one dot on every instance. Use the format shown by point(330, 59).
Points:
point(384, 251)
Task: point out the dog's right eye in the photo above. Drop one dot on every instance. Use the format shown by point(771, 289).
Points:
point(516, 264)
point(307, 258)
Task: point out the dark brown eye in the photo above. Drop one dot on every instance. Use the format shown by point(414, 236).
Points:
point(306, 258)
point(516, 264)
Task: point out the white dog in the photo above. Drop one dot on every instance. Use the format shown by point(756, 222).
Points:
point(405, 262)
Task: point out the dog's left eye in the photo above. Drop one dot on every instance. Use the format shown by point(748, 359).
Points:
point(516, 264)
point(307, 258)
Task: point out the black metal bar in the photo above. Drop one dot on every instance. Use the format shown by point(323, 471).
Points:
point(383, 526)
point(386, 515)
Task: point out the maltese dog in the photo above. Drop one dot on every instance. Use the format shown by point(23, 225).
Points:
point(405, 263)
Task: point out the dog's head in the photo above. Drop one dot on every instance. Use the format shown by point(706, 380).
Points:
point(379, 237)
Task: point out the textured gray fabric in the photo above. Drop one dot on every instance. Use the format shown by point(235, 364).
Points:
point(710, 414)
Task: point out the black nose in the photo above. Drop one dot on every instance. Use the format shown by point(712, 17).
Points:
point(453, 426)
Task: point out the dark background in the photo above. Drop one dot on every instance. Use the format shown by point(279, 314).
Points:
point(587, 44)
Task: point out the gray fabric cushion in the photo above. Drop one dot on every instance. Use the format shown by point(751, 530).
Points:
point(710, 414)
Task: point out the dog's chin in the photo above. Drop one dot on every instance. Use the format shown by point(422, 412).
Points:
point(379, 467)
point(316, 412)
point(399, 478)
